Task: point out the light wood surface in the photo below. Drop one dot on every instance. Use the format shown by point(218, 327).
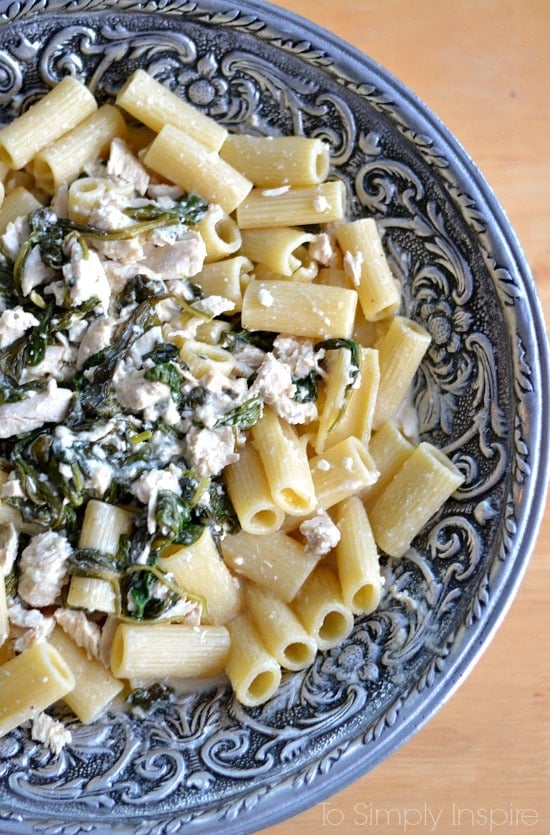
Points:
point(482, 764)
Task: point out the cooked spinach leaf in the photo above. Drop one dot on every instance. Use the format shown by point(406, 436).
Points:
point(147, 592)
point(259, 339)
point(28, 349)
point(306, 388)
point(219, 513)
point(188, 210)
point(178, 519)
point(242, 417)
point(352, 346)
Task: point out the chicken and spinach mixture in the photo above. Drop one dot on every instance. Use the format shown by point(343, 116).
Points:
point(96, 401)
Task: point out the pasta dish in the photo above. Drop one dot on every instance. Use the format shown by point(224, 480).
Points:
point(206, 439)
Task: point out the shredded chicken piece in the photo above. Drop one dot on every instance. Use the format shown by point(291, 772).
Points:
point(43, 567)
point(321, 534)
point(85, 633)
point(50, 732)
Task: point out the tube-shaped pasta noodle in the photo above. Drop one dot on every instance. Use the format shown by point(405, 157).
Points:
point(211, 333)
point(226, 278)
point(342, 470)
point(30, 683)
point(324, 203)
point(63, 160)
point(400, 352)
point(155, 105)
point(248, 489)
point(176, 650)
point(285, 462)
point(220, 233)
point(280, 631)
point(275, 562)
point(321, 609)
point(199, 570)
point(92, 594)
point(336, 386)
point(366, 264)
point(275, 161)
point(357, 557)
point(86, 194)
point(359, 412)
point(294, 307)
point(308, 268)
point(254, 674)
point(389, 449)
point(95, 686)
point(60, 110)
point(18, 202)
point(194, 168)
point(419, 488)
point(11, 514)
point(202, 358)
point(102, 527)
point(275, 248)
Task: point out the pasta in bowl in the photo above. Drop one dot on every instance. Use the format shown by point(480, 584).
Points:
point(231, 444)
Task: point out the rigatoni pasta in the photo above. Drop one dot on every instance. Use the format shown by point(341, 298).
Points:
point(253, 672)
point(368, 269)
point(424, 481)
point(4, 618)
point(320, 607)
point(102, 526)
point(250, 494)
point(18, 203)
point(284, 458)
point(275, 562)
point(95, 686)
point(342, 470)
point(191, 165)
point(280, 631)
point(275, 161)
point(64, 159)
point(31, 682)
point(275, 249)
point(227, 278)
point(400, 352)
point(199, 569)
point(357, 558)
point(174, 650)
point(154, 105)
point(308, 310)
point(220, 233)
point(324, 203)
point(60, 110)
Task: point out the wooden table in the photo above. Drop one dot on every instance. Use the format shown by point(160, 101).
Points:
point(482, 764)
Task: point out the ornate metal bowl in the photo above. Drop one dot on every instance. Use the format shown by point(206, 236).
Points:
point(482, 395)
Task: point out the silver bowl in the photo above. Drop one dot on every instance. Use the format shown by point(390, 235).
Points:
point(481, 395)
